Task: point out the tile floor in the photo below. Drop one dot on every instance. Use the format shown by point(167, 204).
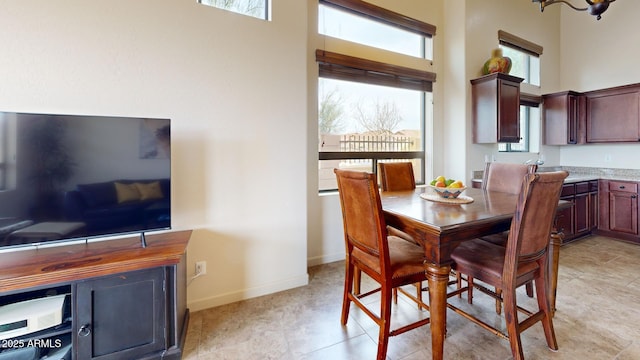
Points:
point(597, 317)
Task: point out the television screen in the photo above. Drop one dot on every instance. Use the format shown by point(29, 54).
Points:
point(73, 176)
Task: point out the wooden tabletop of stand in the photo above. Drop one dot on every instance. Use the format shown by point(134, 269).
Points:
point(23, 269)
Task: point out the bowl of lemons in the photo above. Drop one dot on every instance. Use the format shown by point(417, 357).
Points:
point(447, 188)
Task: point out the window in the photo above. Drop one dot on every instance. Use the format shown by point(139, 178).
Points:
point(526, 114)
point(367, 123)
point(525, 57)
point(525, 63)
point(256, 8)
point(344, 25)
point(371, 111)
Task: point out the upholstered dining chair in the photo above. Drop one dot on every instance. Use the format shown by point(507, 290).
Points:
point(398, 176)
point(503, 177)
point(390, 261)
point(525, 258)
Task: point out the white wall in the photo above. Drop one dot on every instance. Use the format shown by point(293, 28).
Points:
point(600, 54)
point(235, 89)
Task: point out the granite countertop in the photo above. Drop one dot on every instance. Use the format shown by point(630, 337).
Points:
point(574, 178)
point(579, 174)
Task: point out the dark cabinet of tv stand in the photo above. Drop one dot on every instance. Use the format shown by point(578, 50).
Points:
point(120, 316)
point(127, 302)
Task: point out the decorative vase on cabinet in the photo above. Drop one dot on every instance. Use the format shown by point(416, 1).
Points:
point(497, 63)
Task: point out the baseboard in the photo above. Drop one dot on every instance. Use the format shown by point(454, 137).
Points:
point(245, 294)
point(324, 259)
point(240, 295)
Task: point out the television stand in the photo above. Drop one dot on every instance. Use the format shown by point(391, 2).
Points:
point(129, 301)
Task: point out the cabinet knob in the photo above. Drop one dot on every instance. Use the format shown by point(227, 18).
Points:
point(633, 196)
point(85, 330)
point(621, 186)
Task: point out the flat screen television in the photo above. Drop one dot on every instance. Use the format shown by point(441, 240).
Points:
point(65, 177)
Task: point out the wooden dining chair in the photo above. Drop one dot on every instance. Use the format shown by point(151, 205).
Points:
point(396, 176)
point(503, 177)
point(389, 260)
point(525, 258)
point(399, 176)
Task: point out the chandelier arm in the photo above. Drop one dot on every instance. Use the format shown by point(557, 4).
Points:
point(551, 2)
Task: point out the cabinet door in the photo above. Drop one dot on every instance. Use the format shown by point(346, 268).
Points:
point(593, 210)
point(563, 115)
point(121, 316)
point(582, 213)
point(509, 112)
point(565, 220)
point(613, 115)
point(603, 205)
point(496, 108)
point(623, 212)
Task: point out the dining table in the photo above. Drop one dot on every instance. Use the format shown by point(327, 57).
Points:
point(439, 225)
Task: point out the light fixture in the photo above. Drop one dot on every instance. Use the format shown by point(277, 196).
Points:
point(595, 8)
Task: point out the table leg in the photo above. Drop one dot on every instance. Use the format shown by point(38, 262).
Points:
point(554, 260)
point(438, 277)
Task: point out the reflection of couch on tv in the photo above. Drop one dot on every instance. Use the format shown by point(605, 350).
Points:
point(122, 205)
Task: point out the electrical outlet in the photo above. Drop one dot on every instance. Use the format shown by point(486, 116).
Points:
point(201, 267)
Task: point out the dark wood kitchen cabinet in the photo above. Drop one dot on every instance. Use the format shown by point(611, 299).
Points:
point(565, 218)
point(564, 116)
point(496, 108)
point(594, 202)
point(619, 209)
point(581, 201)
point(581, 218)
point(613, 114)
